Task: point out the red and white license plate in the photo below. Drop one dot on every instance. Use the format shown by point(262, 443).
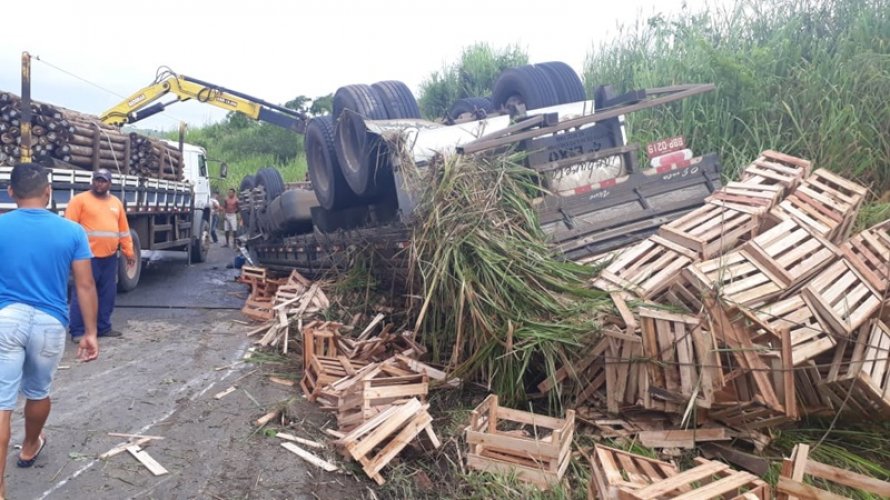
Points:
point(665, 146)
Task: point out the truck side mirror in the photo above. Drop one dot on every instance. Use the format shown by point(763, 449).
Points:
point(223, 170)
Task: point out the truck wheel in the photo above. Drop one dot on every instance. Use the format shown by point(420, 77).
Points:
point(363, 161)
point(526, 85)
point(360, 98)
point(474, 108)
point(248, 182)
point(201, 243)
point(397, 99)
point(327, 179)
point(270, 178)
point(127, 279)
point(564, 79)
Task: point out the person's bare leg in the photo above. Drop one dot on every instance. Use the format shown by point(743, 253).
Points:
point(5, 417)
point(36, 413)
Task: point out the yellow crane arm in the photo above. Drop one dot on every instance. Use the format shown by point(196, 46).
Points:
point(137, 106)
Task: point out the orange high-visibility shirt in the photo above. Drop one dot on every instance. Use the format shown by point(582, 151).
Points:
point(105, 222)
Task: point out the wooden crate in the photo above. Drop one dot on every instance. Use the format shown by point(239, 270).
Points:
point(869, 253)
point(774, 168)
point(859, 380)
point(321, 371)
point(582, 378)
point(708, 479)
point(825, 202)
point(790, 253)
point(375, 391)
point(250, 274)
point(258, 309)
point(791, 478)
point(751, 196)
point(645, 269)
point(809, 377)
point(682, 293)
point(735, 278)
point(710, 230)
point(809, 338)
point(625, 366)
point(841, 298)
point(683, 363)
point(320, 339)
point(750, 397)
point(615, 470)
point(376, 442)
point(497, 443)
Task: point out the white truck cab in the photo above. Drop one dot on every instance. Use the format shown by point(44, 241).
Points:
point(195, 171)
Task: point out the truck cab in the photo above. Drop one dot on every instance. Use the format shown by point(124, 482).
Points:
point(195, 171)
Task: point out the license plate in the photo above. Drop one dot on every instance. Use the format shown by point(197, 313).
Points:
point(665, 146)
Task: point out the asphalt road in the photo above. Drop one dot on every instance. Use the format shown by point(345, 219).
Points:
point(180, 348)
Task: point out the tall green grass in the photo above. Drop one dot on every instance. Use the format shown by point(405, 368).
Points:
point(807, 77)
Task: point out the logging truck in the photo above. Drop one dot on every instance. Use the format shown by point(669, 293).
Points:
point(599, 197)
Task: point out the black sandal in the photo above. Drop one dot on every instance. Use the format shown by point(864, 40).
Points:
point(24, 464)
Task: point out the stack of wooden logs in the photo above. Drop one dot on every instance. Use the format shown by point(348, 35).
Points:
point(83, 141)
point(750, 312)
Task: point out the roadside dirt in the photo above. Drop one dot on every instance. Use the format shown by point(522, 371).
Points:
point(180, 348)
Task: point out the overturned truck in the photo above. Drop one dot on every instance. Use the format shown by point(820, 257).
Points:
point(361, 160)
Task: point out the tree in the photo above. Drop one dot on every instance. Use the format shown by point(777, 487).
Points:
point(322, 105)
point(472, 76)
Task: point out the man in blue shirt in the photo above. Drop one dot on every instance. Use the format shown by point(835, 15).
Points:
point(39, 250)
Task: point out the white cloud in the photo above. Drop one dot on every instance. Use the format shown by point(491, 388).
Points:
point(277, 50)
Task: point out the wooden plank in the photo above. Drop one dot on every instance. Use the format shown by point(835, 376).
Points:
point(681, 438)
point(222, 394)
point(848, 478)
point(145, 459)
point(281, 381)
point(265, 419)
point(134, 436)
point(309, 457)
point(788, 486)
point(297, 439)
point(683, 478)
point(117, 450)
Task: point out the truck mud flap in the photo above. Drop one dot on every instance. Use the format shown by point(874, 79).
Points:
point(619, 211)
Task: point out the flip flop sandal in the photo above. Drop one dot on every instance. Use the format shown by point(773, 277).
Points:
point(28, 463)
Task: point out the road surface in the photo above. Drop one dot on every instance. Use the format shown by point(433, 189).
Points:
point(180, 348)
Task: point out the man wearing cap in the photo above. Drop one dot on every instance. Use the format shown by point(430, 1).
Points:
point(103, 217)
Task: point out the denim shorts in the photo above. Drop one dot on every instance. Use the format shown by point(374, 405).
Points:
point(31, 346)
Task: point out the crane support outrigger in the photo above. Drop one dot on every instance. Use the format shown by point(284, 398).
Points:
point(139, 105)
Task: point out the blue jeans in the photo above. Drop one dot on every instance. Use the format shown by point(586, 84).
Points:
point(105, 274)
point(31, 346)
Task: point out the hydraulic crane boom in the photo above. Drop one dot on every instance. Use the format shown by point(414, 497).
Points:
point(139, 105)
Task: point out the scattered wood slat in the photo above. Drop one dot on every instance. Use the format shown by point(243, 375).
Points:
point(145, 459)
point(309, 457)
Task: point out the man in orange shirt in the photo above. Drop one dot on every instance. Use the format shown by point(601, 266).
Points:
point(103, 217)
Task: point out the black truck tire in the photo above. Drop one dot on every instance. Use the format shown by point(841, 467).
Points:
point(270, 178)
point(363, 161)
point(248, 182)
point(200, 246)
point(526, 85)
point(470, 107)
point(359, 98)
point(564, 79)
point(128, 279)
point(397, 99)
point(328, 182)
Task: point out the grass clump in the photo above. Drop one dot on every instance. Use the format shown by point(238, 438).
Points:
point(497, 305)
point(809, 78)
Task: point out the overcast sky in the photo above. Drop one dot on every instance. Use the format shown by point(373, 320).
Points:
point(277, 50)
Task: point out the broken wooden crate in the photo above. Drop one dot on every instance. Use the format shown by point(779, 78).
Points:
point(376, 442)
point(710, 230)
point(841, 298)
point(584, 377)
point(682, 360)
point(859, 380)
point(321, 371)
point(869, 253)
point(646, 268)
point(536, 448)
point(826, 202)
point(623, 475)
point(774, 168)
point(376, 390)
point(795, 469)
